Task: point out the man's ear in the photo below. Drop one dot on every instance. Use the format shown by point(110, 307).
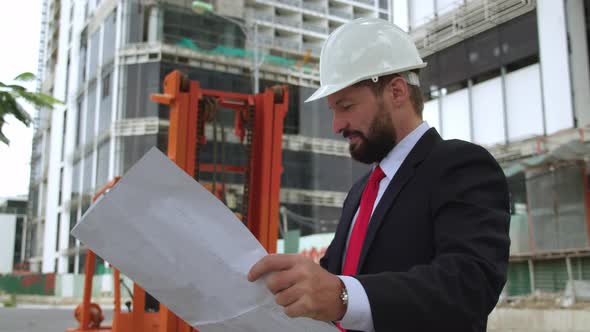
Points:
point(398, 91)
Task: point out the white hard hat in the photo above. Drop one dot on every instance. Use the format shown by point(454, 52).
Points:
point(365, 48)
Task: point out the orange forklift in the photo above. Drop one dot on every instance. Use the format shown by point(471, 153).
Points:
point(258, 126)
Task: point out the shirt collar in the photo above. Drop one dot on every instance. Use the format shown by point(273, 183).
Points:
point(392, 162)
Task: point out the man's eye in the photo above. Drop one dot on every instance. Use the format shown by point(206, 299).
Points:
point(347, 107)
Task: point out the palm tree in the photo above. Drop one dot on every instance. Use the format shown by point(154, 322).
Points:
point(11, 95)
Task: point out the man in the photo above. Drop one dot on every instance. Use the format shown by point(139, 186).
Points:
point(422, 243)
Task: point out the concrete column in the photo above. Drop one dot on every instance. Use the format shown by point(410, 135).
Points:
point(570, 276)
point(154, 24)
point(580, 73)
point(532, 275)
point(554, 58)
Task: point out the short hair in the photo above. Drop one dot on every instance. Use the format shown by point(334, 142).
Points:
point(416, 97)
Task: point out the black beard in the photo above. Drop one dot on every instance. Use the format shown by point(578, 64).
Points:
point(378, 142)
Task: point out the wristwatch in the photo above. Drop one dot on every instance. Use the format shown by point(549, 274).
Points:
point(344, 294)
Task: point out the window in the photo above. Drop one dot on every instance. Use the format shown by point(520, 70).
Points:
point(61, 182)
point(18, 241)
point(71, 238)
point(83, 55)
point(102, 164)
point(71, 261)
point(106, 86)
point(67, 78)
point(57, 232)
point(79, 122)
point(63, 135)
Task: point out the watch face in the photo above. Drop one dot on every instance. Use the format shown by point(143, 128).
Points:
point(344, 296)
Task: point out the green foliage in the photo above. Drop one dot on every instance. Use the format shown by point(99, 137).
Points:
point(12, 94)
point(10, 302)
point(25, 77)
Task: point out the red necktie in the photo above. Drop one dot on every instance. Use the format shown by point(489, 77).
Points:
point(357, 237)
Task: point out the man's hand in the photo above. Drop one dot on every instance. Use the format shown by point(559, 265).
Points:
point(301, 286)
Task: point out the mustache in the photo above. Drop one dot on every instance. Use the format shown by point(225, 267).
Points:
point(346, 133)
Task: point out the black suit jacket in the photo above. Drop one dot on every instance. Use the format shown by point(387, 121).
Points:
point(436, 252)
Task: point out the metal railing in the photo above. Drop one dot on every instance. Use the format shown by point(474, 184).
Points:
point(288, 21)
point(340, 13)
point(317, 145)
point(258, 15)
point(465, 21)
point(151, 52)
point(321, 8)
point(358, 2)
point(287, 43)
point(315, 28)
point(295, 3)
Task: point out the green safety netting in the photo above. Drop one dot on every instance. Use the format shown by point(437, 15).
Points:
point(280, 61)
point(242, 53)
point(231, 51)
point(187, 43)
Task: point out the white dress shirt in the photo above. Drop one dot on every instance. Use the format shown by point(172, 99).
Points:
point(358, 313)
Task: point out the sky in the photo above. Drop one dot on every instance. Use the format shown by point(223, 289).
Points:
point(20, 24)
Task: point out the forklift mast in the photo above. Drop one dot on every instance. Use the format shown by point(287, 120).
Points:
point(258, 126)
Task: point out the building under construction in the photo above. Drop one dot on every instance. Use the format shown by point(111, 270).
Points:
point(511, 75)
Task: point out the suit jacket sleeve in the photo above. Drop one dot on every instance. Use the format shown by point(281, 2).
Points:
point(325, 260)
point(469, 210)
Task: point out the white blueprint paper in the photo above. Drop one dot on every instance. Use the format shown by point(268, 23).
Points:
point(182, 245)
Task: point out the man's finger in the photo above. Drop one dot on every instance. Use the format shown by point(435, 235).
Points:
point(281, 280)
point(271, 263)
point(288, 296)
point(299, 308)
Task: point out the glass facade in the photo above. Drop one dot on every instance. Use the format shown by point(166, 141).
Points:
point(134, 21)
point(18, 241)
point(481, 57)
point(79, 120)
point(94, 52)
point(134, 147)
point(109, 35)
point(87, 179)
point(102, 164)
point(205, 32)
point(91, 114)
point(106, 102)
point(77, 172)
point(141, 81)
point(73, 221)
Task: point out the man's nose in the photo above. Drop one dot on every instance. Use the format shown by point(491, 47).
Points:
point(338, 124)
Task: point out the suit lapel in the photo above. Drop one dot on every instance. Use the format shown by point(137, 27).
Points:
point(404, 173)
point(348, 212)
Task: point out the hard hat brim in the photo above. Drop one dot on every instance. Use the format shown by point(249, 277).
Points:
point(325, 91)
point(329, 89)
